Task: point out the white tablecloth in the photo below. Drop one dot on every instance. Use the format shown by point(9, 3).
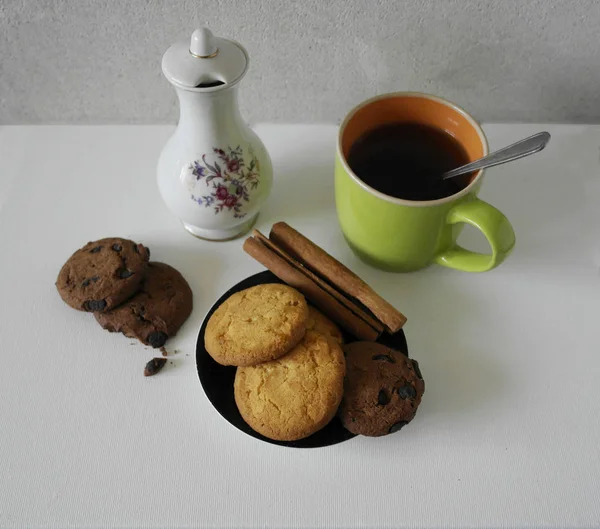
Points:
point(508, 433)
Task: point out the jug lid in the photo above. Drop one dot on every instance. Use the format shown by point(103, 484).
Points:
point(205, 62)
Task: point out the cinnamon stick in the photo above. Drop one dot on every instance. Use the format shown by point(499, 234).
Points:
point(322, 299)
point(349, 304)
point(323, 264)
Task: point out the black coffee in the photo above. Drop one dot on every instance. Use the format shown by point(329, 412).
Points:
point(406, 160)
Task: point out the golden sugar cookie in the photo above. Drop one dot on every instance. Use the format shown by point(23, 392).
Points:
point(256, 325)
point(296, 395)
point(318, 322)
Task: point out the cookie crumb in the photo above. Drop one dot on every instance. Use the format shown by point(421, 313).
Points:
point(154, 366)
point(164, 351)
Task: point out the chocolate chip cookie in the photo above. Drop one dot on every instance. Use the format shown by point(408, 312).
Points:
point(256, 325)
point(102, 274)
point(296, 395)
point(382, 389)
point(156, 312)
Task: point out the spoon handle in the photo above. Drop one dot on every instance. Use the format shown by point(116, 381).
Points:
point(515, 151)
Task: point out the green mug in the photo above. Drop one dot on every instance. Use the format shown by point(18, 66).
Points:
point(403, 235)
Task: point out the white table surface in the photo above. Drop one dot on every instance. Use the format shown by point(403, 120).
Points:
point(507, 435)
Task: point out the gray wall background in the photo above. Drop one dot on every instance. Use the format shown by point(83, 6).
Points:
point(98, 61)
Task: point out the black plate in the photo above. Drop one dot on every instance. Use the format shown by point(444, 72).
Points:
point(217, 380)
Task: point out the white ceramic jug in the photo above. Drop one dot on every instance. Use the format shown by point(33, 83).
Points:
point(214, 173)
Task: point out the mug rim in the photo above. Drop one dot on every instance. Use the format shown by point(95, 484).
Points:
point(402, 201)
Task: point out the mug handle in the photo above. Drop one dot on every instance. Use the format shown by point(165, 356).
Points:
point(493, 224)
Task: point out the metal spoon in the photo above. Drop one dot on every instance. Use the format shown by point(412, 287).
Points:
point(515, 151)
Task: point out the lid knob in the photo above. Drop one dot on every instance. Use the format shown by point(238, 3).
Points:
point(203, 44)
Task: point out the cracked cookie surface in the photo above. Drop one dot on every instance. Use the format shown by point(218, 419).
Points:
point(102, 274)
point(156, 312)
point(382, 389)
point(296, 395)
point(256, 325)
point(318, 322)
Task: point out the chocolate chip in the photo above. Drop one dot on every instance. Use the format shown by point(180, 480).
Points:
point(136, 249)
point(385, 358)
point(407, 392)
point(157, 339)
point(96, 249)
point(154, 366)
point(124, 273)
point(397, 427)
point(353, 419)
point(95, 305)
point(147, 250)
point(86, 282)
point(416, 368)
point(117, 247)
point(383, 398)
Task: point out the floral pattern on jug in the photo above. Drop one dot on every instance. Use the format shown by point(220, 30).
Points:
point(227, 184)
